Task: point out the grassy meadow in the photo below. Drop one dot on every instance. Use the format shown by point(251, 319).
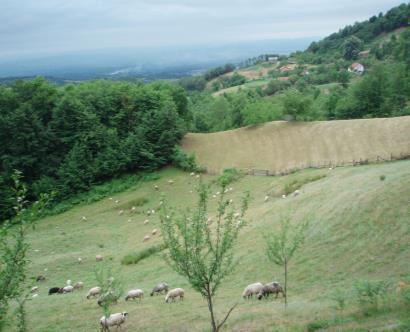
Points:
point(359, 229)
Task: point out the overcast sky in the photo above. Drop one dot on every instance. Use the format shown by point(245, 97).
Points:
point(60, 26)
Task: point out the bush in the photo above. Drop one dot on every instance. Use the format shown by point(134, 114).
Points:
point(135, 257)
point(184, 161)
point(318, 325)
point(369, 293)
point(382, 177)
point(295, 184)
point(228, 176)
point(340, 297)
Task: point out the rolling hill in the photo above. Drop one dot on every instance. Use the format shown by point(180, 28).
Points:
point(359, 229)
point(283, 146)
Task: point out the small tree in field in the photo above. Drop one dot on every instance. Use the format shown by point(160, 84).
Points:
point(13, 250)
point(111, 288)
point(201, 250)
point(282, 245)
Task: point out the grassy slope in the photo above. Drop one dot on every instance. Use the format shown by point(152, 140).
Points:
point(280, 146)
point(359, 229)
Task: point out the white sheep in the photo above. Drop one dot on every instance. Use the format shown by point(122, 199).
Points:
point(237, 215)
point(152, 211)
point(68, 289)
point(197, 176)
point(121, 212)
point(135, 294)
point(192, 174)
point(146, 221)
point(283, 196)
point(146, 238)
point(266, 199)
point(133, 209)
point(154, 231)
point(170, 181)
point(156, 187)
point(110, 198)
point(173, 294)
point(79, 260)
point(34, 289)
point(34, 295)
point(116, 319)
point(252, 289)
point(79, 285)
point(84, 218)
point(296, 193)
point(116, 201)
point(99, 258)
point(68, 282)
point(93, 292)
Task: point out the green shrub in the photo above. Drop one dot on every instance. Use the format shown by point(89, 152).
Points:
point(228, 176)
point(295, 184)
point(184, 161)
point(382, 177)
point(317, 325)
point(340, 297)
point(135, 257)
point(369, 293)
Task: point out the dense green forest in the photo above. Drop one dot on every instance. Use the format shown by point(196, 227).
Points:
point(65, 139)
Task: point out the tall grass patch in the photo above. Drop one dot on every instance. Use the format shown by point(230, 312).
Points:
point(135, 257)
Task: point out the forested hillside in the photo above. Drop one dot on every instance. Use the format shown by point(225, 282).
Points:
point(66, 139)
point(320, 83)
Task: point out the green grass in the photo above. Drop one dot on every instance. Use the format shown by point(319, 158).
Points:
point(359, 229)
point(135, 257)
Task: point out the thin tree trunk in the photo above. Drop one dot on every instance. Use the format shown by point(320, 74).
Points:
point(211, 310)
point(286, 283)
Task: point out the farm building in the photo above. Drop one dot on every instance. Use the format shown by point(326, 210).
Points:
point(356, 67)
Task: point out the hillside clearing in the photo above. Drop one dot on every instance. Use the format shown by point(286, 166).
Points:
point(282, 146)
point(359, 229)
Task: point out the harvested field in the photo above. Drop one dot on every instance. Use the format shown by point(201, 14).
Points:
point(282, 146)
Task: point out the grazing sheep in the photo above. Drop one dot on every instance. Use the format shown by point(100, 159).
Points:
point(107, 297)
point(99, 258)
point(146, 238)
point(152, 211)
point(266, 199)
point(296, 193)
point(283, 196)
point(116, 319)
point(34, 295)
point(158, 289)
point(93, 292)
point(197, 176)
point(156, 187)
point(170, 181)
point(237, 215)
point(133, 209)
point(251, 290)
point(84, 218)
point(34, 289)
point(173, 294)
point(117, 201)
point(148, 212)
point(79, 260)
point(192, 174)
point(135, 294)
point(54, 290)
point(68, 289)
point(271, 288)
point(40, 278)
point(110, 198)
point(146, 221)
point(230, 201)
point(79, 285)
point(154, 231)
point(121, 212)
point(68, 283)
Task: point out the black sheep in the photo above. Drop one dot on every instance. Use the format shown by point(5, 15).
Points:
point(54, 290)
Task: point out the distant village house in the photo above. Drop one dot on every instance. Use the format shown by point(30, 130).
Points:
point(287, 68)
point(356, 67)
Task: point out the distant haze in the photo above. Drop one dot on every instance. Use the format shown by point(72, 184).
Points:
point(56, 36)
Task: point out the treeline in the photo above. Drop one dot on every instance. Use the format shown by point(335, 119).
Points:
point(66, 139)
point(349, 40)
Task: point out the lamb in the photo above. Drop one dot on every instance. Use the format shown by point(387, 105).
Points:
point(271, 288)
point(156, 187)
point(266, 199)
point(135, 294)
point(66, 289)
point(93, 292)
point(146, 238)
point(154, 231)
point(99, 258)
point(120, 213)
point(54, 290)
point(251, 290)
point(158, 289)
point(79, 260)
point(146, 221)
point(116, 319)
point(173, 294)
point(79, 285)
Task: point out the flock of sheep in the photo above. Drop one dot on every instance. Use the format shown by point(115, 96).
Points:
point(117, 319)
